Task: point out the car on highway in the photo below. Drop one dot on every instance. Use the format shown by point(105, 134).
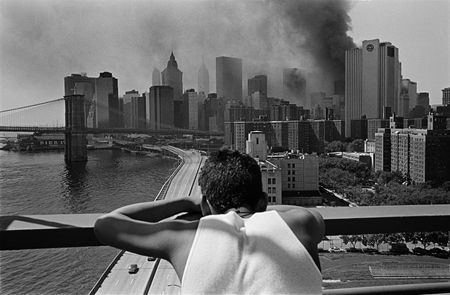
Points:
point(133, 268)
point(335, 249)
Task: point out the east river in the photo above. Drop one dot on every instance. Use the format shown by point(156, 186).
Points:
point(41, 183)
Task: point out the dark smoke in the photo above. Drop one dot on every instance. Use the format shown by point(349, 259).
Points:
point(43, 41)
point(295, 84)
point(320, 28)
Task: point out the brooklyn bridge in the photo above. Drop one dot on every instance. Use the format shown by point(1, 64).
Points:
point(74, 126)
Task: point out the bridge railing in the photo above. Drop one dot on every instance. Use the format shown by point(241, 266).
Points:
point(76, 230)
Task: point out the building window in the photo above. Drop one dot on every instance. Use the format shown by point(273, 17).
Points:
point(289, 172)
point(293, 165)
point(274, 181)
point(274, 190)
point(269, 190)
point(289, 179)
point(293, 172)
point(293, 178)
point(289, 165)
point(269, 181)
point(289, 185)
point(293, 185)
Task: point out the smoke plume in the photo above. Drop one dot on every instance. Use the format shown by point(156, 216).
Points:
point(320, 28)
point(43, 41)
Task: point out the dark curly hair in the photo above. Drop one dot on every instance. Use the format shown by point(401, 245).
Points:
point(230, 179)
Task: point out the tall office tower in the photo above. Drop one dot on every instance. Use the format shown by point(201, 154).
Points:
point(423, 99)
point(190, 110)
point(106, 99)
point(294, 86)
point(372, 81)
point(172, 76)
point(404, 101)
point(257, 83)
point(81, 84)
point(214, 113)
point(101, 95)
point(133, 108)
point(203, 79)
point(229, 78)
point(446, 96)
point(156, 77)
point(413, 96)
point(159, 108)
point(422, 107)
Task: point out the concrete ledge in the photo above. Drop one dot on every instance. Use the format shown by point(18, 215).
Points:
point(428, 288)
point(76, 230)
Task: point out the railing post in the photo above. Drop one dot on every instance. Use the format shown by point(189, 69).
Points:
point(75, 145)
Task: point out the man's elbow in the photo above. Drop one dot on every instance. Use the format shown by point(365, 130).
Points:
point(103, 229)
point(317, 219)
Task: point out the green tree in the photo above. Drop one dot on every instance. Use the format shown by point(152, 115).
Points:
point(374, 240)
point(356, 146)
point(352, 239)
point(335, 146)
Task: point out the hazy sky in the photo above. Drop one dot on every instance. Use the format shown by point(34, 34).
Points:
point(44, 40)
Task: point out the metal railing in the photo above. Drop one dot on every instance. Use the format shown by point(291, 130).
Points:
point(76, 230)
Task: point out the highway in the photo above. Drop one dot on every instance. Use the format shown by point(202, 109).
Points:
point(165, 281)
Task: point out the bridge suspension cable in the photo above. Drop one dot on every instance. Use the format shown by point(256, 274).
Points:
point(32, 105)
point(44, 114)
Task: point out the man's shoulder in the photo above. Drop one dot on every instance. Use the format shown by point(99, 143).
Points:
point(304, 222)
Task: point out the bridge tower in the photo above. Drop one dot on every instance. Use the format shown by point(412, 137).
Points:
point(75, 149)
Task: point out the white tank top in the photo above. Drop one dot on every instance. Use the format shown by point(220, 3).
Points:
point(257, 255)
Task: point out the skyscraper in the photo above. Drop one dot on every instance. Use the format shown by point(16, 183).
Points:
point(446, 96)
point(257, 83)
point(408, 97)
point(190, 110)
point(82, 84)
point(172, 76)
point(159, 108)
point(229, 77)
point(106, 100)
point(134, 110)
point(156, 77)
point(102, 98)
point(203, 79)
point(372, 81)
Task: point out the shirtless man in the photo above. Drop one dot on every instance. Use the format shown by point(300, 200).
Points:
point(231, 242)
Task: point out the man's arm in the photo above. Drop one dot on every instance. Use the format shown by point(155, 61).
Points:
point(307, 225)
point(141, 228)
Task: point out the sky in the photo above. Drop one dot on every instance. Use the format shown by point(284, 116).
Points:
point(42, 41)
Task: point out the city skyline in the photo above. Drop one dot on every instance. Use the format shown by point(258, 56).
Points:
point(29, 53)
